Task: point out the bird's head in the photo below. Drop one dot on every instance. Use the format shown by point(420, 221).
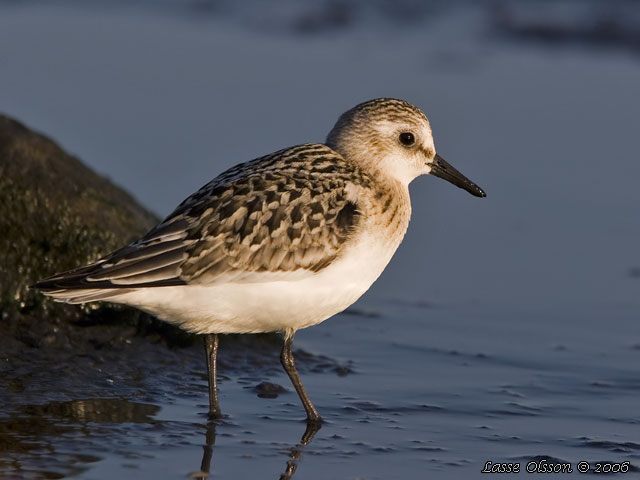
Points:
point(394, 137)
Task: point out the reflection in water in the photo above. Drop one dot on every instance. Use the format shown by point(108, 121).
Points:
point(210, 440)
point(292, 462)
point(99, 410)
point(56, 428)
point(296, 452)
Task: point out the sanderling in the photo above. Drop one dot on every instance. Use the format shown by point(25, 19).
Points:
point(279, 243)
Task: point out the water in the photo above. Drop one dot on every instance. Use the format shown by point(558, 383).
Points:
point(436, 391)
point(504, 330)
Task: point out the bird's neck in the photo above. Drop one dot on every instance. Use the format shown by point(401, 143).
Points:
point(391, 209)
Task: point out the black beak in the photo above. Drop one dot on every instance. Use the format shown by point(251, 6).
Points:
point(440, 168)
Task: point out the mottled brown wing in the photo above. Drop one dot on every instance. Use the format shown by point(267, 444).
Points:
point(287, 212)
point(152, 261)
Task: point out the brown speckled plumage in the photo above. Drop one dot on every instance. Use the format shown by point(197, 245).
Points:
point(286, 211)
point(279, 243)
point(294, 210)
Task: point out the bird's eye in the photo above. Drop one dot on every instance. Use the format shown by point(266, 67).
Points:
point(407, 139)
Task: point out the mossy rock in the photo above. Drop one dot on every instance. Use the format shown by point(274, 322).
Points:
point(55, 214)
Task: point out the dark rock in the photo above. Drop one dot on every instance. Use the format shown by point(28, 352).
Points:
point(56, 214)
point(269, 390)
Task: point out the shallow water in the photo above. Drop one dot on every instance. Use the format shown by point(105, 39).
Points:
point(429, 391)
point(504, 330)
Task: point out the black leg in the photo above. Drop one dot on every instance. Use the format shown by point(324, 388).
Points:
point(286, 358)
point(211, 351)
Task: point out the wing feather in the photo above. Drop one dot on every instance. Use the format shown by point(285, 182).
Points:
point(289, 212)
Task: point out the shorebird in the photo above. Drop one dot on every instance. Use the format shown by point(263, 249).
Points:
point(279, 243)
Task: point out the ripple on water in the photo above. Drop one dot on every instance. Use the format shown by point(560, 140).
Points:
point(516, 409)
point(422, 446)
point(610, 445)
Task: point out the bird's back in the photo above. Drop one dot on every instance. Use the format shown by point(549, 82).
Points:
point(291, 212)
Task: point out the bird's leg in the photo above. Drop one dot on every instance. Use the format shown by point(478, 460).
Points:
point(211, 351)
point(286, 358)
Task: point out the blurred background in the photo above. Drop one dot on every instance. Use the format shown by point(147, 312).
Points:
point(537, 101)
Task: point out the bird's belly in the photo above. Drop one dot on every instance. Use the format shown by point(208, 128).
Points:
point(276, 304)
